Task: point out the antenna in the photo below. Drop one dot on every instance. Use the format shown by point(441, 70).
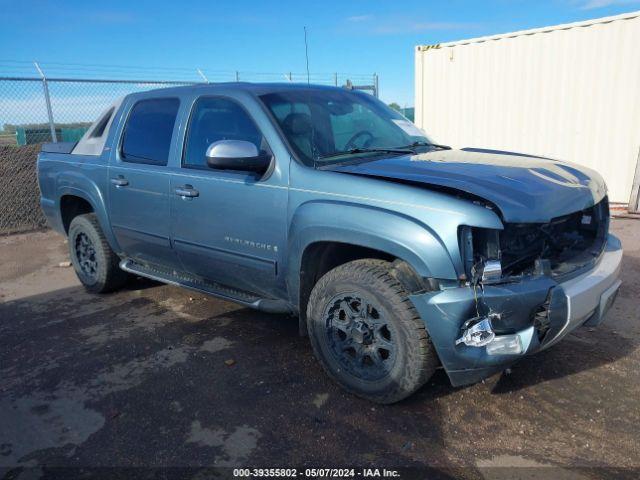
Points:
point(313, 130)
point(306, 53)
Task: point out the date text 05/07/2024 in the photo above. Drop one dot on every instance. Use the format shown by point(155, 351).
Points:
point(316, 472)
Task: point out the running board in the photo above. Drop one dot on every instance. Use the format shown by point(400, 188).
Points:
point(182, 279)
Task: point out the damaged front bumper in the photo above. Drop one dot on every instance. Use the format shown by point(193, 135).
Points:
point(529, 315)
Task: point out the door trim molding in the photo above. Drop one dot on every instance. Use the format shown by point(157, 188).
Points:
point(229, 255)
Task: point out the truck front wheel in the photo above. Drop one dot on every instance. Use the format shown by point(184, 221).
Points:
point(367, 334)
point(91, 256)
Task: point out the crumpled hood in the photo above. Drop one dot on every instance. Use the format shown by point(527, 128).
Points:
point(524, 188)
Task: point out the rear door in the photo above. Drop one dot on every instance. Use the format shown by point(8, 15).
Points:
point(139, 181)
point(233, 230)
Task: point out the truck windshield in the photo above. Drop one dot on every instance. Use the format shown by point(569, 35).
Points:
point(331, 125)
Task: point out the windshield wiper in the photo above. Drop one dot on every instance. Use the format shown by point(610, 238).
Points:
point(355, 151)
point(427, 144)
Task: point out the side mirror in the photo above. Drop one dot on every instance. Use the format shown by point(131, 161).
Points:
point(236, 155)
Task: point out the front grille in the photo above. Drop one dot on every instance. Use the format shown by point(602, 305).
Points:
point(562, 245)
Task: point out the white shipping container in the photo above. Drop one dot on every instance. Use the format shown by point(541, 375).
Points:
point(570, 92)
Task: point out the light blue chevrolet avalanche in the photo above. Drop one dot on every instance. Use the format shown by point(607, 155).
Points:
point(398, 254)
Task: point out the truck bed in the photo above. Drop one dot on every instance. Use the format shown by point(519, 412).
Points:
point(60, 147)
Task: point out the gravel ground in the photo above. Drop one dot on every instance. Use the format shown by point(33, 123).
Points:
point(156, 376)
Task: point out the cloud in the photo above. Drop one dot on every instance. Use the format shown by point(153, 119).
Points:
point(415, 27)
point(594, 4)
point(360, 18)
point(401, 24)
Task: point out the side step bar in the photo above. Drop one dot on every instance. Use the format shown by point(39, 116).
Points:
point(182, 279)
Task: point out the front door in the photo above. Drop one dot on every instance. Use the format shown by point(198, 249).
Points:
point(232, 229)
point(140, 183)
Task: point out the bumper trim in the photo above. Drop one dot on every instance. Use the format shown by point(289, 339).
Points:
point(584, 294)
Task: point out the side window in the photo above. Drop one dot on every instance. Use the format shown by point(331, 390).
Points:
point(215, 119)
point(147, 134)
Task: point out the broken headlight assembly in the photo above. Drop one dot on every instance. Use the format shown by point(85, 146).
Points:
point(480, 252)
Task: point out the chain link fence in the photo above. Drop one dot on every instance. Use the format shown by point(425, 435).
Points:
point(35, 111)
point(38, 110)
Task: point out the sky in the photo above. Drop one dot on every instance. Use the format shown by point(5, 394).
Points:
point(177, 37)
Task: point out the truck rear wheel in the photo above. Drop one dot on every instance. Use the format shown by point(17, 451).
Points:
point(96, 265)
point(367, 334)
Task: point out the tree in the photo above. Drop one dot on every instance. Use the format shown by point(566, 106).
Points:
point(395, 106)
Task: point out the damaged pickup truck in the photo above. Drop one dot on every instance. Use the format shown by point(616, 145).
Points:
point(398, 254)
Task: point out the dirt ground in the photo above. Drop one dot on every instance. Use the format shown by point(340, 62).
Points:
point(156, 376)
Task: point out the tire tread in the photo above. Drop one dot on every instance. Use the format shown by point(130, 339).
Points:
point(111, 277)
point(422, 357)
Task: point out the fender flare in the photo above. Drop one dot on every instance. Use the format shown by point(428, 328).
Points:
point(366, 226)
point(78, 186)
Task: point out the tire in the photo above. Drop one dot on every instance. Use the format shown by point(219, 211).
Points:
point(96, 265)
point(353, 354)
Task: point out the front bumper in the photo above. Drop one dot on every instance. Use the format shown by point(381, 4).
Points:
point(583, 300)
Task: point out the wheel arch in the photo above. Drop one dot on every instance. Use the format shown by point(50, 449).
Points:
point(325, 235)
point(73, 201)
point(70, 207)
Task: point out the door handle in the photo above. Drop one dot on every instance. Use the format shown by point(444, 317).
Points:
point(120, 181)
point(187, 191)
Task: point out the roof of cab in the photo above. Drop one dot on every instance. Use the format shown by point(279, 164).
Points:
point(254, 88)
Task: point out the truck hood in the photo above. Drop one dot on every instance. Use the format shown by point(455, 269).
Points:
point(524, 188)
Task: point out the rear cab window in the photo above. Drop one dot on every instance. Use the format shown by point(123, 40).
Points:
point(148, 131)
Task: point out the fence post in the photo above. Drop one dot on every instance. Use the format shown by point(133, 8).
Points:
point(47, 100)
point(375, 85)
point(202, 75)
